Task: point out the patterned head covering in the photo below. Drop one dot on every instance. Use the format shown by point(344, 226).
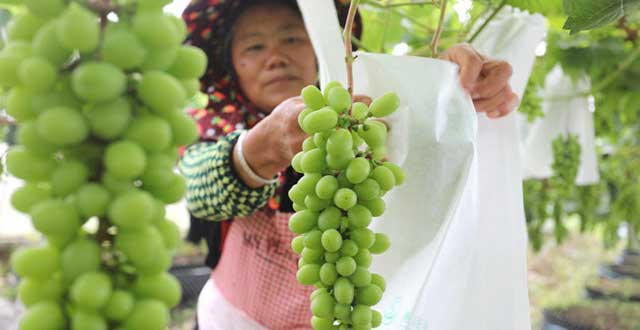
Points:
point(209, 23)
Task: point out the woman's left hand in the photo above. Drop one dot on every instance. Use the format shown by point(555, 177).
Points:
point(486, 80)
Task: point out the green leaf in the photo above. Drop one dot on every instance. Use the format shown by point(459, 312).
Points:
point(589, 14)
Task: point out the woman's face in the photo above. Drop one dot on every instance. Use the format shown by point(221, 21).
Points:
point(272, 55)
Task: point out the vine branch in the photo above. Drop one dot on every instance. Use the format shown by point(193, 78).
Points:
point(348, 27)
point(486, 23)
point(402, 4)
point(436, 37)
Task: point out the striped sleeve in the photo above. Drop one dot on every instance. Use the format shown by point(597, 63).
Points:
point(214, 191)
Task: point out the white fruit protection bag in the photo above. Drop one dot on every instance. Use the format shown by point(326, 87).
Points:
point(567, 111)
point(458, 254)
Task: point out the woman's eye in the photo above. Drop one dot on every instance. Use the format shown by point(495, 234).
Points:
point(293, 40)
point(254, 48)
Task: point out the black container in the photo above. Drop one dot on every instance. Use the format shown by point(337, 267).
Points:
point(192, 279)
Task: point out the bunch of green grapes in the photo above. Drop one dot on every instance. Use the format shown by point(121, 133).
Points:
point(345, 177)
point(98, 104)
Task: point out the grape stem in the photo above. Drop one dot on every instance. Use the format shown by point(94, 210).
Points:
point(103, 7)
point(436, 37)
point(103, 235)
point(348, 27)
point(486, 23)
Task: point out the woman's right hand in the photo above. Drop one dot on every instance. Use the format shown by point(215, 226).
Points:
point(270, 146)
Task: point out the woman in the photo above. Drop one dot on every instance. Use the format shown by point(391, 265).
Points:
point(260, 58)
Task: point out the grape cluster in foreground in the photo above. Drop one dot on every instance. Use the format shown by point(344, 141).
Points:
point(345, 177)
point(98, 104)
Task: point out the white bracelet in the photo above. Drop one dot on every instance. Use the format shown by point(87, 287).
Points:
point(247, 169)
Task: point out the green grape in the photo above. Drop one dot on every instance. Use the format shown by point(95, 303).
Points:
point(178, 23)
point(9, 64)
point(312, 256)
point(78, 29)
point(359, 111)
point(361, 277)
point(339, 162)
point(376, 319)
point(35, 262)
point(363, 258)
point(398, 172)
point(342, 312)
point(367, 190)
point(313, 239)
point(379, 153)
point(68, 177)
point(317, 292)
point(152, 4)
point(20, 48)
point(125, 160)
point(314, 203)
point(161, 92)
point(358, 170)
point(84, 320)
point(190, 62)
point(378, 281)
point(343, 291)
point(116, 185)
point(183, 128)
point(385, 105)
point(296, 162)
point(384, 177)
point(297, 244)
point(376, 206)
point(308, 144)
point(119, 305)
point(109, 120)
point(79, 257)
point(313, 161)
point(361, 315)
point(359, 217)
point(320, 139)
point(320, 120)
point(170, 233)
point(148, 314)
point(174, 191)
point(29, 137)
point(140, 247)
point(298, 207)
point(329, 218)
point(31, 291)
point(328, 274)
point(51, 99)
point(155, 30)
point(303, 221)
point(346, 266)
point(23, 27)
point(332, 257)
point(191, 86)
point(380, 244)
point(25, 197)
point(368, 295)
point(349, 248)
point(345, 198)
point(357, 140)
point(318, 323)
point(150, 132)
point(98, 81)
point(322, 306)
point(339, 99)
point(297, 194)
point(55, 218)
point(46, 315)
point(340, 142)
point(331, 240)
point(91, 290)
point(161, 263)
point(302, 116)
point(162, 287)
point(363, 237)
point(122, 48)
point(62, 126)
point(131, 210)
point(47, 45)
point(374, 133)
point(37, 74)
point(159, 59)
point(45, 8)
point(329, 87)
point(308, 274)
point(18, 103)
point(92, 200)
point(313, 98)
point(326, 187)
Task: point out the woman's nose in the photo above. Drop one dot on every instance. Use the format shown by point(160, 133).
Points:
point(277, 60)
